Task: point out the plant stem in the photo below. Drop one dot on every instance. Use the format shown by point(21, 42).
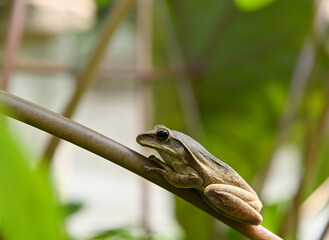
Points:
point(13, 40)
point(88, 75)
point(302, 75)
point(109, 149)
point(144, 65)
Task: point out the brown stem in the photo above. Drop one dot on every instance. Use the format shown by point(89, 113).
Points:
point(301, 76)
point(313, 146)
point(144, 64)
point(87, 76)
point(13, 41)
point(104, 72)
point(109, 149)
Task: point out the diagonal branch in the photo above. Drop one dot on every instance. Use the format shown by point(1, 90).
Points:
point(109, 149)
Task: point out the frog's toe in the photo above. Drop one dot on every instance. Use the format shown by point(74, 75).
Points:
point(146, 168)
point(153, 169)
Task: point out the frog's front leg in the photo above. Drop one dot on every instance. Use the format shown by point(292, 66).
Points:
point(179, 180)
point(235, 202)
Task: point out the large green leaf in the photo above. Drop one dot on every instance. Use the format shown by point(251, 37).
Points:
point(28, 206)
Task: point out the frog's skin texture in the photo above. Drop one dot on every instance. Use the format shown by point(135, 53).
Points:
point(187, 164)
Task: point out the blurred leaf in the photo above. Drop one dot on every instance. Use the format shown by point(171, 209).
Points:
point(242, 81)
point(196, 223)
point(250, 5)
point(127, 233)
point(273, 215)
point(28, 207)
point(71, 208)
point(103, 3)
point(118, 233)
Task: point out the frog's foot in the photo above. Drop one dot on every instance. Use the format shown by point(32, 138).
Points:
point(159, 162)
point(233, 202)
point(154, 169)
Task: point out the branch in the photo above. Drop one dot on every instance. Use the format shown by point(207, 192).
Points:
point(113, 151)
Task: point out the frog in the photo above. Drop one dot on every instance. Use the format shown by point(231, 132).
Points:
point(186, 163)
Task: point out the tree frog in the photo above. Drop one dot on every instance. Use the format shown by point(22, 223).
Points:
point(187, 164)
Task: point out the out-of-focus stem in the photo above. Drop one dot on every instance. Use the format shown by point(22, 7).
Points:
point(109, 149)
point(313, 141)
point(104, 72)
point(312, 149)
point(316, 201)
point(13, 40)
point(301, 76)
point(144, 65)
point(175, 58)
point(87, 76)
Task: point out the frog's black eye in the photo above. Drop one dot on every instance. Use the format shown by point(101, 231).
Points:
point(162, 134)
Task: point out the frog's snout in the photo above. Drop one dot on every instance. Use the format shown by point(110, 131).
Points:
point(145, 139)
point(139, 139)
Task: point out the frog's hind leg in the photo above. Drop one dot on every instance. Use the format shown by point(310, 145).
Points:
point(233, 202)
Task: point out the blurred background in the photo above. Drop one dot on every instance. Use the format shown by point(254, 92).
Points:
point(248, 79)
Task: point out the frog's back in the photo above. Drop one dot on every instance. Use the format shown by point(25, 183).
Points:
point(205, 161)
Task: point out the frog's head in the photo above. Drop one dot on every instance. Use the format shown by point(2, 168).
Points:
point(161, 139)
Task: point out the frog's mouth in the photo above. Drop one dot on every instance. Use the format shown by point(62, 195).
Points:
point(146, 140)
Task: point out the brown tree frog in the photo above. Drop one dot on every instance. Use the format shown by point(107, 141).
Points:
point(187, 164)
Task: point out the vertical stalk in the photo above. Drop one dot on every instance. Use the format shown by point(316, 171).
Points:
point(314, 139)
point(313, 145)
point(301, 76)
point(144, 67)
point(13, 40)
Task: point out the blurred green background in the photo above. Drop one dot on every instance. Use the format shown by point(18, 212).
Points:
point(247, 78)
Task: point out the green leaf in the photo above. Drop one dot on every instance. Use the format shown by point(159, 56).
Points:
point(28, 207)
point(123, 233)
point(189, 217)
point(72, 208)
point(251, 5)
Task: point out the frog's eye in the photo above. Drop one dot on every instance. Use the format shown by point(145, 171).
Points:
point(162, 134)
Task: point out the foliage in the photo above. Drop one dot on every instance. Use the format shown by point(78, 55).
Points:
point(127, 233)
point(28, 205)
point(242, 64)
point(249, 5)
point(240, 58)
